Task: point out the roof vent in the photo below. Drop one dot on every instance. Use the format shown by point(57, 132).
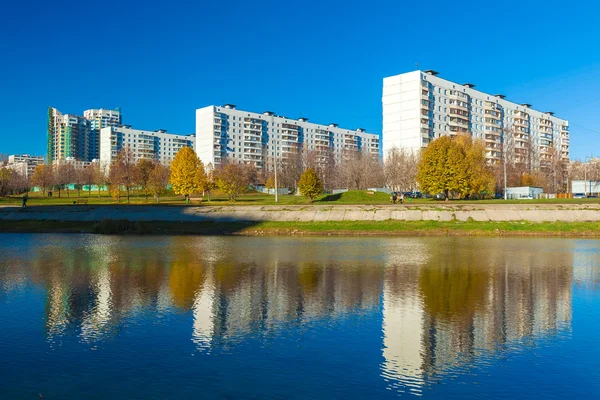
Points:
point(550, 113)
point(271, 113)
point(469, 85)
point(500, 96)
point(360, 129)
point(527, 105)
point(230, 106)
point(302, 119)
point(431, 72)
point(333, 124)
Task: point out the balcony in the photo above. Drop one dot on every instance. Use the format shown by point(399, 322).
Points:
point(456, 112)
point(521, 114)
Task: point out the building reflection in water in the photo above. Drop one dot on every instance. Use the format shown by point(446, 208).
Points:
point(442, 301)
point(466, 300)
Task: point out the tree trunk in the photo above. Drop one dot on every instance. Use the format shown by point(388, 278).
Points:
point(59, 191)
point(127, 190)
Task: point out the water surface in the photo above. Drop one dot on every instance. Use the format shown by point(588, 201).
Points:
point(97, 317)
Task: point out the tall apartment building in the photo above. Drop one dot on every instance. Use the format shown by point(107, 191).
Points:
point(154, 145)
point(67, 136)
point(99, 118)
point(228, 134)
point(77, 137)
point(419, 107)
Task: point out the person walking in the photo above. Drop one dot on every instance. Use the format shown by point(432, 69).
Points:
point(401, 198)
point(394, 197)
point(24, 204)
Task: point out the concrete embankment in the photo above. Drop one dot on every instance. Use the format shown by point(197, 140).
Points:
point(308, 213)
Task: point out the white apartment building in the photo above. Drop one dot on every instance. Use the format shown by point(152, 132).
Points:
point(98, 119)
point(24, 163)
point(226, 133)
point(71, 135)
point(419, 106)
point(155, 145)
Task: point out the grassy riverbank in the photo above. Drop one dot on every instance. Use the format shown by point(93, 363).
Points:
point(339, 228)
point(355, 197)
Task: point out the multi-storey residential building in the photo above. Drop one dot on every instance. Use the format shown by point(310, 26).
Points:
point(99, 118)
point(73, 136)
point(25, 163)
point(158, 145)
point(228, 134)
point(67, 136)
point(419, 106)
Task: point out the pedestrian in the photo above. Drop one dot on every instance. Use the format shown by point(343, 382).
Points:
point(401, 198)
point(24, 201)
point(394, 197)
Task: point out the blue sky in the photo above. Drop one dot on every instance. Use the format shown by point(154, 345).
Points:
point(325, 60)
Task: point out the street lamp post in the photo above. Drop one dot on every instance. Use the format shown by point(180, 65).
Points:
point(585, 182)
point(276, 189)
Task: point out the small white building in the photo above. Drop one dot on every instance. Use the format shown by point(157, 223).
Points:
point(524, 192)
point(587, 187)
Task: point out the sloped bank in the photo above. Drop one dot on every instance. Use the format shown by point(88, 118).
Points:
point(489, 220)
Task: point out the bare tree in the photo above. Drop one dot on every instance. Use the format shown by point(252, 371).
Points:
point(400, 168)
point(63, 177)
point(126, 171)
point(158, 179)
point(359, 170)
point(87, 176)
point(42, 177)
point(144, 168)
point(100, 177)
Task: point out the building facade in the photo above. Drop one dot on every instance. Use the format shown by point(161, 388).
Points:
point(99, 118)
point(67, 136)
point(419, 107)
point(153, 145)
point(228, 134)
point(24, 163)
point(77, 137)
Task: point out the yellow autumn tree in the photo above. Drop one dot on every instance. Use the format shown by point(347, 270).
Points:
point(455, 165)
point(185, 170)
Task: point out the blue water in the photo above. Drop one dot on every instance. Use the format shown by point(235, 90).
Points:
point(100, 317)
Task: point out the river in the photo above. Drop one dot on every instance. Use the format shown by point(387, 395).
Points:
point(174, 317)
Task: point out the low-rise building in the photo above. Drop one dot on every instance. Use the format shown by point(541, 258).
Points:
point(153, 145)
point(589, 187)
point(524, 192)
point(24, 163)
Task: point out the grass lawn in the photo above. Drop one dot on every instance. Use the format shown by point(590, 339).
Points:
point(347, 198)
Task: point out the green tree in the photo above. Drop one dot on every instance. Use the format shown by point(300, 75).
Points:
point(310, 185)
point(184, 172)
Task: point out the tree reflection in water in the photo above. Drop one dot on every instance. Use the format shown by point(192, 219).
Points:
point(442, 301)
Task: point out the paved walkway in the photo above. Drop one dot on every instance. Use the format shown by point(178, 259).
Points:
point(309, 213)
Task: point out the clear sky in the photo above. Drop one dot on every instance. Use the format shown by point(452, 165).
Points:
point(324, 60)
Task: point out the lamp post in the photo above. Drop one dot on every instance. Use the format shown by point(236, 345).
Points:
point(585, 184)
point(276, 190)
